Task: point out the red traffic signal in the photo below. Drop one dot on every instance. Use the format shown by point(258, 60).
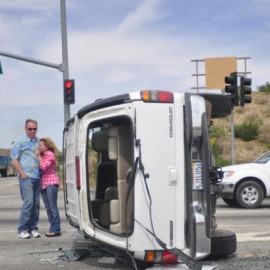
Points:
point(69, 91)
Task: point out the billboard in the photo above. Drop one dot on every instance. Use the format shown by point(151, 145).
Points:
point(216, 69)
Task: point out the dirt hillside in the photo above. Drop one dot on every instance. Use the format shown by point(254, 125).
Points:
point(258, 110)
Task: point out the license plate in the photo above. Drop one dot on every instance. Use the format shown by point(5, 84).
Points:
point(197, 176)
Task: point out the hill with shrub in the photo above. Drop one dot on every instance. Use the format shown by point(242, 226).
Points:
point(252, 131)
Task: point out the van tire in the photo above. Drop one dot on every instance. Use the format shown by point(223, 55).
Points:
point(223, 243)
point(221, 104)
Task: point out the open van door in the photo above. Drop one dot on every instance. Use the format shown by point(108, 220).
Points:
point(71, 176)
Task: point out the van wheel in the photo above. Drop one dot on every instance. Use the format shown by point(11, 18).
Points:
point(223, 243)
point(221, 104)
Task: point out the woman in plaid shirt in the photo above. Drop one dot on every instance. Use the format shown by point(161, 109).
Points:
point(50, 184)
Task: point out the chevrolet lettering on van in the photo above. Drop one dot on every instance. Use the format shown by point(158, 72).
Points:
point(171, 122)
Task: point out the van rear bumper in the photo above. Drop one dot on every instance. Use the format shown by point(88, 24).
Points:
point(180, 266)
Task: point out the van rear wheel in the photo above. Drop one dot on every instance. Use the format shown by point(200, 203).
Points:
point(223, 243)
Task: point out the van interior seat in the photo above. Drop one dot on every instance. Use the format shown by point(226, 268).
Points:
point(104, 210)
point(120, 150)
point(106, 172)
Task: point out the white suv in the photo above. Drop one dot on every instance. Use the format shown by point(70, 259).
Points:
point(246, 185)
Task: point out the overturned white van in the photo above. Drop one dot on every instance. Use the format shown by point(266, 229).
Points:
point(139, 180)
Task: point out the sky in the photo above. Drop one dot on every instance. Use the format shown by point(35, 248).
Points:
point(116, 47)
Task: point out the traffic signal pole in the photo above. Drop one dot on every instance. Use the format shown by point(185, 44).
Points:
point(232, 138)
point(61, 67)
point(64, 55)
point(238, 98)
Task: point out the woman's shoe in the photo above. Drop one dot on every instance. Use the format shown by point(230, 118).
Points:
point(52, 234)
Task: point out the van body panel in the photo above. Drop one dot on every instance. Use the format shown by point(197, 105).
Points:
point(72, 202)
point(150, 147)
point(159, 160)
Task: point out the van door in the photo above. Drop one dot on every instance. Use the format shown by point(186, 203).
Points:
point(157, 197)
point(71, 181)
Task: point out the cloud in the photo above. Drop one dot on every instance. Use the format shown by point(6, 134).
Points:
point(120, 46)
point(28, 5)
point(146, 12)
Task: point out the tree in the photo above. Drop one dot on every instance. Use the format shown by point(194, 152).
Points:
point(264, 87)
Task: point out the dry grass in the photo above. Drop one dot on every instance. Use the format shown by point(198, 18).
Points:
point(259, 111)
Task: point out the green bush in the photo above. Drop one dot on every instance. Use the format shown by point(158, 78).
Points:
point(217, 150)
point(216, 132)
point(264, 88)
point(247, 131)
point(220, 162)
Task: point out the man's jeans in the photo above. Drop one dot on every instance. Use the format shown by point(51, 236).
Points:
point(49, 196)
point(30, 193)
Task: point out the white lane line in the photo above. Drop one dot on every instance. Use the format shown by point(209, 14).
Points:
point(242, 213)
point(224, 226)
point(41, 231)
point(10, 196)
point(254, 236)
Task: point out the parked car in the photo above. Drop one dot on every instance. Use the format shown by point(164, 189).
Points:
point(6, 168)
point(246, 185)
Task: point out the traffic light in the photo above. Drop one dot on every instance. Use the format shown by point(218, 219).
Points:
point(245, 90)
point(232, 88)
point(69, 91)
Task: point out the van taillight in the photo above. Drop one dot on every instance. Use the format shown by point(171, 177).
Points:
point(78, 175)
point(157, 96)
point(163, 256)
point(168, 257)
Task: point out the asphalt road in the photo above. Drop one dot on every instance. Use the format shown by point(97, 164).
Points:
point(43, 253)
point(251, 226)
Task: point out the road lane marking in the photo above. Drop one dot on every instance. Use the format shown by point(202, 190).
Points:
point(242, 213)
point(10, 196)
point(254, 236)
point(41, 231)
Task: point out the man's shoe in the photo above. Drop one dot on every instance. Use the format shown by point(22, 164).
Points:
point(35, 234)
point(52, 234)
point(24, 235)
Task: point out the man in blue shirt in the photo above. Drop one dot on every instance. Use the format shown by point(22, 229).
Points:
point(26, 164)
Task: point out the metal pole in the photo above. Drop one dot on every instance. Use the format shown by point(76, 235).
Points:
point(64, 55)
point(232, 138)
point(61, 67)
point(32, 60)
point(197, 78)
